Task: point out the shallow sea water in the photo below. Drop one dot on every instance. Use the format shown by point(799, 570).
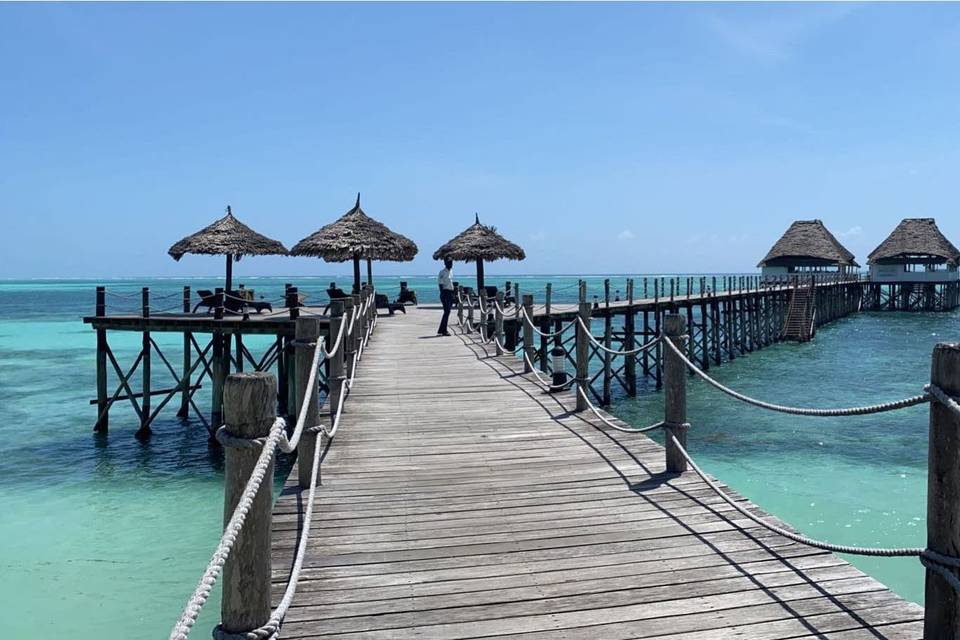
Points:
point(106, 536)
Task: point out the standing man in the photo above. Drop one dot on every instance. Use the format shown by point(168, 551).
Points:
point(445, 281)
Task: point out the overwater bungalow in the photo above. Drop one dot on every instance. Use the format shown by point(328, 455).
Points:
point(914, 269)
point(916, 251)
point(807, 247)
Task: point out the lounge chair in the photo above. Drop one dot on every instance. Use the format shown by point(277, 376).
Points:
point(406, 295)
point(381, 301)
point(207, 299)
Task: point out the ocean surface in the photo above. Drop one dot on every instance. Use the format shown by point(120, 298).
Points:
point(105, 536)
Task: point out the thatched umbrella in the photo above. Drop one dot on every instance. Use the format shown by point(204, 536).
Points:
point(479, 242)
point(230, 237)
point(356, 236)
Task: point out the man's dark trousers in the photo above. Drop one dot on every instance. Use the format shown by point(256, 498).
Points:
point(446, 299)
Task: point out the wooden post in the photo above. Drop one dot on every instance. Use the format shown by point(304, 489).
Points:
point(459, 296)
point(349, 344)
point(293, 302)
point(583, 351)
point(675, 392)
point(307, 332)
point(528, 348)
point(184, 410)
point(282, 392)
point(942, 612)
point(336, 360)
point(607, 342)
point(147, 349)
point(545, 328)
point(103, 398)
point(498, 324)
point(249, 413)
point(630, 342)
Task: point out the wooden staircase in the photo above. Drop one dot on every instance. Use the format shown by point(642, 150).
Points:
point(801, 314)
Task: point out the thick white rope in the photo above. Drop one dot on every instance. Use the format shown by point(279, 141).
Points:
point(546, 383)
point(941, 396)
point(602, 347)
point(826, 546)
point(188, 618)
point(541, 333)
point(800, 411)
point(276, 438)
point(596, 412)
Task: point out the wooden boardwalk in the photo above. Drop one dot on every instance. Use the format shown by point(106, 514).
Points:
point(459, 501)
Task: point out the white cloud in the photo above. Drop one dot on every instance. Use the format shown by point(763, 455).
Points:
point(851, 232)
point(775, 34)
point(626, 234)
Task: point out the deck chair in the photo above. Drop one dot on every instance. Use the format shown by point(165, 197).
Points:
point(381, 301)
point(406, 295)
point(207, 299)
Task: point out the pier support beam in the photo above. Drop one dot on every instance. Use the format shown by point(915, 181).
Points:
point(147, 349)
point(528, 347)
point(675, 392)
point(942, 612)
point(184, 410)
point(103, 399)
point(249, 413)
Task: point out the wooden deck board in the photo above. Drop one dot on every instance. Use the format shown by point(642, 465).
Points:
point(459, 501)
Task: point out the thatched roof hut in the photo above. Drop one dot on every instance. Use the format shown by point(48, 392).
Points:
point(808, 244)
point(479, 242)
point(355, 236)
point(915, 241)
point(227, 237)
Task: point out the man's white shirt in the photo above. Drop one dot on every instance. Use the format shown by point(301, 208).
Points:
point(445, 279)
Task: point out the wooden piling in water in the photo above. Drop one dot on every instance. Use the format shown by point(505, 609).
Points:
point(545, 329)
point(607, 342)
point(145, 378)
point(103, 400)
point(630, 342)
point(185, 392)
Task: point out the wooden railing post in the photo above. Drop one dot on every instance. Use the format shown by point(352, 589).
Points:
point(545, 328)
point(249, 413)
point(675, 391)
point(498, 323)
point(528, 347)
point(337, 374)
point(459, 300)
point(307, 333)
point(583, 349)
point(145, 367)
point(485, 328)
point(184, 410)
point(292, 301)
point(630, 342)
point(103, 399)
point(942, 612)
point(349, 342)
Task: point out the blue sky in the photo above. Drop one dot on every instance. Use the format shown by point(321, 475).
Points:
point(602, 138)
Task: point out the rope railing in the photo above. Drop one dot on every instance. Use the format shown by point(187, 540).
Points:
point(602, 347)
point(800, 411)
point(276, 439)
point(596, 412)
point(544, 334)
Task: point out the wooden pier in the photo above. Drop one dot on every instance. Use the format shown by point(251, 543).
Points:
point(461, 501)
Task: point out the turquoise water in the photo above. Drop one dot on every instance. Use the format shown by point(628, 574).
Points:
point(105, 536)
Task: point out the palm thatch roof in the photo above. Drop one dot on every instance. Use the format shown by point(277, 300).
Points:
point(227, 236)
point(915, 237)
point(809, 242)
point(356, 235)
point(479, 241)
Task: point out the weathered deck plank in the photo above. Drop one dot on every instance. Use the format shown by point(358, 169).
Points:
point(459, 501)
